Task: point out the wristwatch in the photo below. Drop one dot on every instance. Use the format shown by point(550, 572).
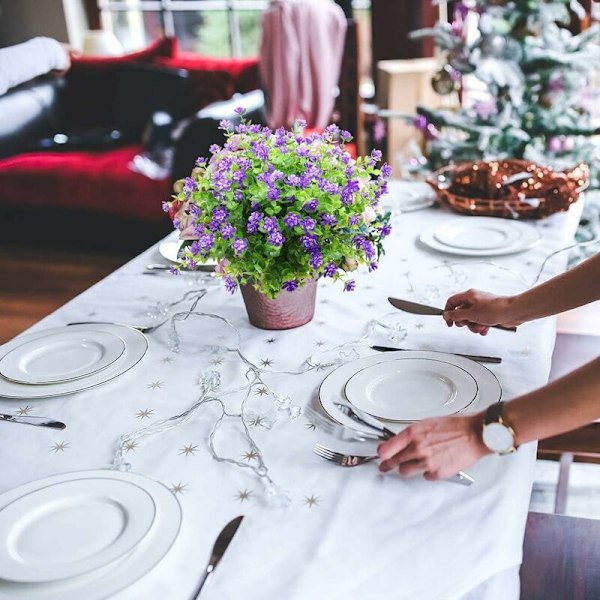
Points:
point(497, 434)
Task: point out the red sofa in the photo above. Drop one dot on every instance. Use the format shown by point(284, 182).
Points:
point(95, 184)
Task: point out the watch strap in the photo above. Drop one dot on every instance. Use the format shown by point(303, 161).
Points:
point(493, 414)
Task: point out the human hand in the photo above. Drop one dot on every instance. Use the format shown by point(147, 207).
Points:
point(479, 310)
point(438, 448)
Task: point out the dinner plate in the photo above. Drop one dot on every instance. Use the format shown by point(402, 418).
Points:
point(169, 249)
point(411, 389)
point(70, 528)
point(62, 356)
point(106, 581)
point(408, 196)
point(332, 387)
point(136, 346)
point(480, 236)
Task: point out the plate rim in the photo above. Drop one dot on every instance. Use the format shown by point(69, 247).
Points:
point(123, 348)
point(147, 528)
point(388, 420)
point(510, 226)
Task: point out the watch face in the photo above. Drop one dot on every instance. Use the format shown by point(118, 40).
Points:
point(498, 438)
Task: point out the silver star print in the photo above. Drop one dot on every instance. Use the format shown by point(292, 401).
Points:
point(320, 322)
point(311, 500)
point(243, 495)
point(250, 455)
point(144, 414)
point(310, 426)
point(189, 449)
point(178, 488)
point(155, 385)
point(166, 359)
point(131, 445)
point(266, 362)
point(24, 410)
point(324, 301)
point(419, 326)
point(216, 361)
point(261, 391)
point(319, 343)
point(257, 422)
point(271, 341)
point(59, 447)
point(370, 305)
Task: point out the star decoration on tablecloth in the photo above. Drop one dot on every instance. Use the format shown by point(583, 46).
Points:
point(92, 313)
point(257, 421)
point(319, 343)
point(370, 305)
point(271, 341)
point(250, 455)
point(217, 361)
point(310, 426)
point(166, 359)
point(318, 366)
point(131, 445)
point(324, 301)
point(178, 488)
point(189, 449)
point(321, 322)
point(311, 500)
point(261, 391)
point(24, 410)
point(144, 414)
point(266, 362)
point(59, 447)
point(425, 347)
point(155, 385)
point(243, 495)
point(419, 326)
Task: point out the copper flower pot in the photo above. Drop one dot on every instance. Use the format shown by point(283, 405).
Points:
point(288, 310)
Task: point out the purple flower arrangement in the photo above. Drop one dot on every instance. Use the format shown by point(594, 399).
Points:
point(278, 208)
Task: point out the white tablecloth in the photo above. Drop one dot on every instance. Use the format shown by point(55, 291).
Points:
point(347, 533)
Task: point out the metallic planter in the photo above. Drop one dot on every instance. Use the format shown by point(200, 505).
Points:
point(288, 310)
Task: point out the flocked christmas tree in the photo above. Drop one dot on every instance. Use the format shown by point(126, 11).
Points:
point(536, 97)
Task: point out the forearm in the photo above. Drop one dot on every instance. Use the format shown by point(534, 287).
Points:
point(29, 60)
point(576, 287)
point(563, 405)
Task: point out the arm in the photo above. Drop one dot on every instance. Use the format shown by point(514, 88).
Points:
point(31, 59)
point(443, 446)
point(479, 310)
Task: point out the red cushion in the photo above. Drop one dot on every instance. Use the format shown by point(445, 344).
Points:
point(85, 181)
point(162, 47)
point(214, 79)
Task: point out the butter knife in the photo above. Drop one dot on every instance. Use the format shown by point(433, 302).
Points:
point(475, 357)
point(423, 309)
point(221, 544)
point(38, 421)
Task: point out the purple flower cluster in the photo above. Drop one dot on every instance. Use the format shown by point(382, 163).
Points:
point(290, 286)
point(240, 246)
point(254, 221)
point(311, 205)
point(329, 220)
point(291, 220)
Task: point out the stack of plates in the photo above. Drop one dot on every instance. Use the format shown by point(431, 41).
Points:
point(83, 535)
point(480, 236)
point(402, 387)
point(68, 359)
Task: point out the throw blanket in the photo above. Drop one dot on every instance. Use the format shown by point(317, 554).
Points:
point(300, 60)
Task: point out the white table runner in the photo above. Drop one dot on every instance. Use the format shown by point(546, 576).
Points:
point(347, 533)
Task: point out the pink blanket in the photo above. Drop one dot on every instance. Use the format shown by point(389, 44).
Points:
point(300, 60)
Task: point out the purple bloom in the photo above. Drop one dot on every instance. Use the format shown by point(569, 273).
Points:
point(230, 284)
point(240, 246)
point(316, 259)
point(165, 207)
point(271, 224)
point(311, 205)
point(225, 124)
point(255, 128)
point(303, 151)
point(327, 219)
point(276, 238)
point(238, 195)
point(386, 170)
point(293, 180)
point(189, 186)
point(220, 214)
point(345, 135)
point(240, 110)
point(214, 148)
point(273, 193)
point(200, 161)
point(330, 270)
point(355, 220)
point(195, 210)
point(349, 285)
point(253, 222)
point(349, 171)
point(376, 154)
point(261, 150)
point(174, 271)
point(310, 243)
point(301, 123)
point(308, 224)
point(227, 231)
point(291, 220)
point(290, 286)
point(486, 109)
point(386, 230)
point(373, 266)
point(205, 242)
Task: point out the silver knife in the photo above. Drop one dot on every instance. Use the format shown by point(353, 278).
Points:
point(26, 420)
point(221, 544)
point(475, 357)
point(423, 309)
point(163, 267)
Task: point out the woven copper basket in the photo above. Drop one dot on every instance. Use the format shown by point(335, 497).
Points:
point(510, 188)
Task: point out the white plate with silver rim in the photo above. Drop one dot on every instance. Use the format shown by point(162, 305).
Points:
point(169, 249)
point(136, 346)
point(107, 581)
point(62, 356)
point(332, 387)
point(70, 528)
point(411, 389)
point(480, 236)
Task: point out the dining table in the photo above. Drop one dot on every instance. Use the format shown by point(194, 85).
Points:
point(311, 529)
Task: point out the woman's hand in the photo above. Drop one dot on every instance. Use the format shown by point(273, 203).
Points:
point(436, 448)
point(479, 310)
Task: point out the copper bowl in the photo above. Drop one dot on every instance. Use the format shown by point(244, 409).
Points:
point(510, 188)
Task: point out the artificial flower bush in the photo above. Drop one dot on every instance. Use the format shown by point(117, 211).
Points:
point(278, 209)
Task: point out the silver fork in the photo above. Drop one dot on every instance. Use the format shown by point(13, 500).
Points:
point(353, 460)
point(338, 431)
point(141, 328)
